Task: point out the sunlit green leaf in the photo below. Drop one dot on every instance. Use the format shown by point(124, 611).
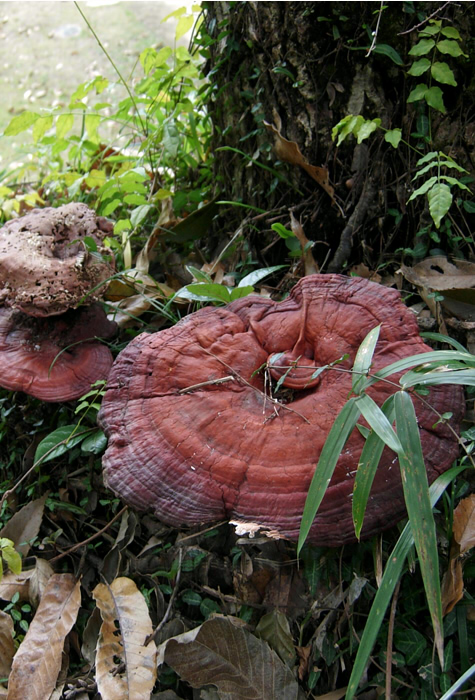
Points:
point(452, 48)
point(366, 129)
point(213, 291)
point(171, 137)
point(393, 137)
point(41, 126)
point(20, 123)
point(64, 123)
point(254, 277)
point(341, 429)
point(442, 73)
point(363, 359)
point(378, 422)
point(440, 200)
point(419, 67)
point(240, 292)
point(185, 23)
point(416, 496)
point(138, 214)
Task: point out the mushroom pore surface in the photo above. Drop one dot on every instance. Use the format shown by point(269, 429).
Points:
point(224, 450)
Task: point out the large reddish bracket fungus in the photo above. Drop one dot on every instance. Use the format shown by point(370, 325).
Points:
point(45, 267)
point(55, 358)
point(193, 436)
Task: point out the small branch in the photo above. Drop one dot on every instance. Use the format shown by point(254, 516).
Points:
point(170, 602)
point(436, 12)
point(91, 538)
point(375, 33)
point(211, 382)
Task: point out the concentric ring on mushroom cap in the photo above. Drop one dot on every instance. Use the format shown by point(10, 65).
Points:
point(222, 450)
point(45, 267)
point(55, 358)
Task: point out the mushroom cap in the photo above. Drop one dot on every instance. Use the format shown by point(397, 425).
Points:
point(45, 268)
point(55, 358)
point(224, 450)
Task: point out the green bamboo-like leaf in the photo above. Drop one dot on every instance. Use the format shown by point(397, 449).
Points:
point(390, 52)
point(419, 509)
point(442, 73)
point(424, 188)
point(338, 435)
point(391, 576)
point(21, 123)
point(368, 463)
point(257, 275)
point(440, 338)
point(364, 358)
point(418, 93)
point(393, 137)
point(378, 422)
point(463, 376)
point(422, 47)
point(435, 99)
point(450, 47)
point(420, 359)
point(440, 200)
point(419, 67)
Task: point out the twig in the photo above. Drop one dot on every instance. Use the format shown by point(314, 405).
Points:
point(91, 538)
point(375, 33)
point(389, 647)
point(170, 602)
point(211, 382)
point(436, 12)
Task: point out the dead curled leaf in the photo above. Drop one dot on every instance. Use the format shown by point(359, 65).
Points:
point(464, 523)
point(37, 662)
point(30, 584)
point(452, 586)
point(125, 667)
point(25, 525)
point(290, 153)
point(232, 659)
point(7, 647)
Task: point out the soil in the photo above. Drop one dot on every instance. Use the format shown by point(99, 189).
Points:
point(47, 50)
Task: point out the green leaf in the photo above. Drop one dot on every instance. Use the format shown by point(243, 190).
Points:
point(411, 643)
point(185, 23)
point(418, 93)
point(363, 359)
point(255, 277)
point(442, 73)
point(111, 207)
point(240, 292)
point(282, 231)
point(378, 422)
point(211, 291)
point(341, 429)
point(138, 214)
point(435, 99)
point(450, 33)
point(64, 123)
point(444, 376)
point(419, 67)
point(12, 558)
point(274, 628)
point(366, 129)
point(367, 465)
point(422, 47)
point(171, 137)
point(95, 443)
point(176, 13)
point(41, 126)
point(419, 509)
point(451, 48)
point(391, 576)
point(62, 439)
point(393, 137)
point(21, 123)
point(440, 201)
point(433, 155)
point(92, 122)
point(454, 182)
point(390, 52)
point(423, 188)
point(162, 56)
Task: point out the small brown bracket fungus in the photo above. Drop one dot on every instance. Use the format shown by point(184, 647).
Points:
point(45, 267)
point(193, 436)
point(55, 358)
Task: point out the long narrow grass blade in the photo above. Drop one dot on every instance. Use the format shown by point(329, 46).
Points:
point(367, 466)
point(391, 576)
point(442, 376)
point(419, 359)
point(416, 495)
point(338, 435)
point(378, 422)
point(363, 359)
point(444, 339)
point(459, 683)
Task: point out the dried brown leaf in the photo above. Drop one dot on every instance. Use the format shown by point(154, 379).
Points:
point(290, 152)
point(452, 586)
point(464, 523)
point(25, 525)
point(241, 666)
point(123, 602)
point(29, 584)
point(7, 647)
point(274, 629)
point(311, 267)
point(37, 663)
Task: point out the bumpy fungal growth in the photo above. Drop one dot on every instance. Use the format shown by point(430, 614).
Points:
point(55, 358)
point(193, 436)
point(45, 266)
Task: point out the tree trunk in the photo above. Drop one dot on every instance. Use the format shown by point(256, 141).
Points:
point(301, 67)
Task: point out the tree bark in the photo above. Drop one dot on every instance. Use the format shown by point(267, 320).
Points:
point(302, 67)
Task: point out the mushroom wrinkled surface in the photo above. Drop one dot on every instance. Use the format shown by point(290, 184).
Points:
point(193, 436)
point(45, 266)
point(55, 358)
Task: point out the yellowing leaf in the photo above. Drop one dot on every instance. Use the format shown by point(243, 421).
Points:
point(185, 23)
point(464, 524)
point(37, 663)
point(123, 602)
